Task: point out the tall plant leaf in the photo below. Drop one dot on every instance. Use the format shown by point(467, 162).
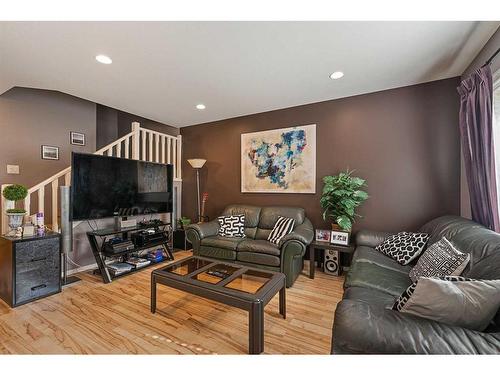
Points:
point(342, 194)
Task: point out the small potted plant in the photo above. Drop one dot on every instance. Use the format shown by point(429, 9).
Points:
point(15, 193)
point(341, 196)
point(184, 221)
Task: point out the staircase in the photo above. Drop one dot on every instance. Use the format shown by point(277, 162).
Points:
point(140, 144)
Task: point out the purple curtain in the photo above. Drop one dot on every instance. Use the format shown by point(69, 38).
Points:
point(476, 131)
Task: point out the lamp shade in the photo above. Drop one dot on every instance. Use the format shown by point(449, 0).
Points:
point(197, 163)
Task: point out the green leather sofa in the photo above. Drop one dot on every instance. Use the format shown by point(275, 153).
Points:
point(254, 250)
point(364, 321)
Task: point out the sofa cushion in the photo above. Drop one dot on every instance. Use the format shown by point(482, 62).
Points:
point(469, 237)
point(371, 275)
point(262, 234)
point(259, 246)
point(486, 268)
point(368, 295)
point(370, 238)
point(370, 255)
point(361, 327)
point(213, 252)
point(269, 215)
point(252, 216)
point(230, 243)
point(258, 258)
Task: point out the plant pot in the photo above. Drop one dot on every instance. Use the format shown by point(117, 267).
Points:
point(15, 220)
point(336, 227)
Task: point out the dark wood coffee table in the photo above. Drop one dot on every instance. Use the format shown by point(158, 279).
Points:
point(235, 285)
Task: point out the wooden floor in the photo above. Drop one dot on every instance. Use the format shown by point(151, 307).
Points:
point(92, 317)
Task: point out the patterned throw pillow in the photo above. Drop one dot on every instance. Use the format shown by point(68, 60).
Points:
point(440, 259)
point(452, 300)
point(405, 296)
point(283, 226)
point(232, 226)
point(404, 246)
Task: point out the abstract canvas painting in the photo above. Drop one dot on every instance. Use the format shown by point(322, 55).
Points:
point(279, 160)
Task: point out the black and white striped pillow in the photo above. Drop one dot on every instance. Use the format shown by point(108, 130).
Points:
point(283, 226)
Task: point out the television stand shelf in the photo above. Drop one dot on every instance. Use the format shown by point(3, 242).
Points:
point(100, 255)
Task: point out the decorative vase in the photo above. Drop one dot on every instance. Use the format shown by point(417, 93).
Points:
point(15, 220)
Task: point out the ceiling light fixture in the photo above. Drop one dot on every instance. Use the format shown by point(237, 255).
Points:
point(103, 59)
point(336, 75)
point(200, 106)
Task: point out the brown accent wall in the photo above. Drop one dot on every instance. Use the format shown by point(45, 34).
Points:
point(404, 141)
point(30, 118)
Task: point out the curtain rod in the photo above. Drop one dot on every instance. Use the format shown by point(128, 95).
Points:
point(492, 57)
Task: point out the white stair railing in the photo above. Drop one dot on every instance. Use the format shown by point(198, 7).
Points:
point(140, 144)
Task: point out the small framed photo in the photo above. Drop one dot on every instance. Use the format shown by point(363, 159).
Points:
point(339, 237)
point(323, 235)
point(50, 152)
point(77, 138)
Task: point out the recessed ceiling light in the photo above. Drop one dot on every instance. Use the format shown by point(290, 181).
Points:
point(336, 75)
point(200, 106)
point(103, 59)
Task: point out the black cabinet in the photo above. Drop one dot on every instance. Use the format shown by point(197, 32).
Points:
point(30, 268)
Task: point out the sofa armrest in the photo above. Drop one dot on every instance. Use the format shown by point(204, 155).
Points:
point(303, 233)
point(363, 328)
point(204, 229)
point(370, 238)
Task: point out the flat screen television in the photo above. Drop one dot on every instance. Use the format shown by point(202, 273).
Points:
point(106, 186)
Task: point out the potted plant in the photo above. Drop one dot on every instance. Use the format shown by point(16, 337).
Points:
point(341, 196)
point(15, 193)
point(184, 221)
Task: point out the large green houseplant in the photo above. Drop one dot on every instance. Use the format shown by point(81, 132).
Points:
point(342, 194)
point(15, 193)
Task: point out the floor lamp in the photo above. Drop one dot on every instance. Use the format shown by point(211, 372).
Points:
point(197, 164)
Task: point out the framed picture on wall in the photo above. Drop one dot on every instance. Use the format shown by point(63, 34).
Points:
point(50, 152)
point(77, 138)
point(279, 160)
point(339, 237)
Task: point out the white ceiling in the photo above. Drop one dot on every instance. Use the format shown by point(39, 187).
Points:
point(161, 70)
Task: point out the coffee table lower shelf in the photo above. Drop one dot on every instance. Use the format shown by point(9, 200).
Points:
point(254, 302)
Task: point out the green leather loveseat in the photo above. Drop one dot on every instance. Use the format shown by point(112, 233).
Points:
point(254, 249)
